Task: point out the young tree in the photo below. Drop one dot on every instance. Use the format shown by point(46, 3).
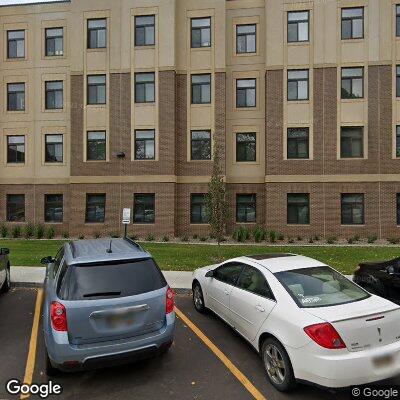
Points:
point(217, 208)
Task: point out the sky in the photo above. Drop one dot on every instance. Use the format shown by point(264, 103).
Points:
point(4, 2)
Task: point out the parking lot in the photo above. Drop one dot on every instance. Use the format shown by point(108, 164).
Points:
point(210, 362)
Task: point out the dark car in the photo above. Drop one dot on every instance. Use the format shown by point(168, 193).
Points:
point(381, 278)
point(5, 280)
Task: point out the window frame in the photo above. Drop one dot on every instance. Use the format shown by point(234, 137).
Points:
point(15, 40)
point(201, 33)
point(397, 12)
point(15, 150)
point(298, 204)
point(297, 80)
point(297, 26)
point(342, 221)
point(296, 140)
point(9, 93)
point(351, 19)
point(53, 144)
point(53, 38)
point(351, 78)
point(194, 84)
point(251, 267)
point(227, 264)
point(89, 102)
point(144, 140)
point(238, 35)
point(344, 128)
point(53, 91)
point(98, 141)
point(94, 204)
point(398, 209)
point(245, 89)
point(145, 26)
point(248, 205)
point(246, 142)
point(54, 204)
point(397, 149)
point(145, 83)
point(90, 30)
point(22, 205)
point(202, 206)
point(143, 205)
point(206, 142)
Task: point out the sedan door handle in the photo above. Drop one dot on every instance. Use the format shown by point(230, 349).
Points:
point(260, 308)
point(226, 292)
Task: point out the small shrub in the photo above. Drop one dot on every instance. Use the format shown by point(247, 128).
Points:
point(114, 235)
point(81, 237)
point(272, 236)
point(203, 238)
point(212, 236)
point(281, 236)
point(241, 234)
point(290, 240)
point(96, 235)
point(40, 231)
point(184, 238)
point(316, 238)
point(195, 236)
point(65, 235)
point(29, 231)
point(331, 239)
point(4, 231)
point(393, 240)
point(133, 237)
point(150, 238)
point(258, 234)
point(372, 239)
point(165, 238)
point(16, 231)
point(311, 240)
point(351, 240)
point(50, 232)
point(356, 238)
point(299, 238)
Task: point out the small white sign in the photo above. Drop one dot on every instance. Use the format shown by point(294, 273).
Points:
point(126, 216)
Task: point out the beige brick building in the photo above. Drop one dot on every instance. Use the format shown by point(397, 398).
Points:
point(108, 104)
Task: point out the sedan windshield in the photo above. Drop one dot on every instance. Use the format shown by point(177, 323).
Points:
point(320, 287)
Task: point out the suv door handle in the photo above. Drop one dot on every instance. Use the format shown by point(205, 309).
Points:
point(226, 292)
point(260, 308)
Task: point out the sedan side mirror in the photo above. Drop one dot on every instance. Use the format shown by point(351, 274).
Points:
point(47, 260)
point(210, 273)
point(4, 251)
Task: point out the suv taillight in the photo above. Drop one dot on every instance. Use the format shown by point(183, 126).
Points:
point(170, 297)
point(58, 316)
point(325, 335)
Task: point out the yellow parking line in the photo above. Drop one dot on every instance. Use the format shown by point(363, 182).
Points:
point(225, 360)
point(30, 362)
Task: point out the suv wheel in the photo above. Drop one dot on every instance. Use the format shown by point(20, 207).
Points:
point(277, 365)
point(198, 299)
point(7, 283)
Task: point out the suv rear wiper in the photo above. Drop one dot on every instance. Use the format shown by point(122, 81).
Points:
point(102, 294)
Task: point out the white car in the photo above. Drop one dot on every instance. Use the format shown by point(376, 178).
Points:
point(309, 322)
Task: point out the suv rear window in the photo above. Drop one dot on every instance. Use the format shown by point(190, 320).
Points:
point(109, 280)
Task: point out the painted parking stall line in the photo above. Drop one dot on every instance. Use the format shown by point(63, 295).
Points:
point(222, 357)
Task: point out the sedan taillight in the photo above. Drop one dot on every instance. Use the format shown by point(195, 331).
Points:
point(170, 297)
point(325, 335)
point(58, 316)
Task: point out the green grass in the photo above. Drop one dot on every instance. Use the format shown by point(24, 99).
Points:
point(186, 257)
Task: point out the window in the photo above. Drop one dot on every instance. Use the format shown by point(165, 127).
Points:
point(252, 280)
point(245, 147)
point(398, 207)
point(54, 45)
point(228, 273)
point(297, 84)
point(54, 95)
point(54, 148)
point(297, 143)
point(16, 149)
point(16, 97)
point(144, 208)
point(198, 214)
point(353, 23)
point(15, 207)
point(200, 145)
point(352, 83)
point(58, 258)
point(297, 28)
point(95, 208)
point(96, 91)
point(398, 141)
point(96, 145)
point(397, 20)
point(245, 39)
point(246, 208)
point(16, 44)
point(201, 89)
point(398, 81)
point(53, 208)
point(352, 142)
point(352, 209)
point(144, 87)
point(144, 30)
point(245, 93)
point(145, 144)
point(298, 208)
point(97, 33)
point(201, 32)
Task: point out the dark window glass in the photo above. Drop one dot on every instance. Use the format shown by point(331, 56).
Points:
point(246, 39)
point(398, 81)
point(297, 143)
point(297, 29)
point(398, 141)
point(144, 208)
point(246, 208)
point(16, 44)
point(96, 145)
point(297, 85)
point(54, 148)
point(16, 96)
point(397, 20)
point(144, 144)
point(53, 208)
point(298, 208)
point(97, 33)
point(201, 32)
point(200, 145)
point(352, 209)
point(16, 207)
point(198, 214)
point(58, 258)
point(352, 23)
point(54, 95)
point(96, 89)
point(201, 89)
point(352, 142)
point(115, 280)
point(144, 87)
point(16, 149)
point(54, 45)
point(352, 83)
point(144, 30)
point(398, 207)
point(228, 273)
point(95, 207)
point(246, 147)
point(245, 93)
point(252, 280)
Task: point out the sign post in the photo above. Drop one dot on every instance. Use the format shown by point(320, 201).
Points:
point(126, 219)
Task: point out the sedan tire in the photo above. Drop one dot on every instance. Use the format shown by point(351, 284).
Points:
point(198, 298)
point(277, 365)
point(7, 283)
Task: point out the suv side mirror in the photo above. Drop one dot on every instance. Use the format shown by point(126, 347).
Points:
point(4, 251)
point(210, 273)
point(47, 260)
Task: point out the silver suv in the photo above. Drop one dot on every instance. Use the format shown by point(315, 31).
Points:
point(106, 303)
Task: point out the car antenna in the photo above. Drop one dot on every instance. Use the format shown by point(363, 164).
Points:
point(109, 250)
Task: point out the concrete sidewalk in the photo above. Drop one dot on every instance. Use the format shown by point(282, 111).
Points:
point(34, 276)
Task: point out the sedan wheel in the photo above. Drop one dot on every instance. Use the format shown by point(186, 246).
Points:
point(198, 299)
point(274, 364)
point(7, 283)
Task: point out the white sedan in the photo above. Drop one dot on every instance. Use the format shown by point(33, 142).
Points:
point(308, 322)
